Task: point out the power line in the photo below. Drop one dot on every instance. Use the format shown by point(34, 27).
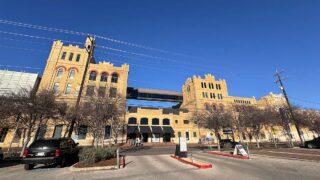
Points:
point(45, 28)
point(305, 100)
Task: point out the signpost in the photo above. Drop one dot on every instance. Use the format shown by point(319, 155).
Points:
point(181, 148)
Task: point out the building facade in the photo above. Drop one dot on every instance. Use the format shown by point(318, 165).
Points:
point(65, 70)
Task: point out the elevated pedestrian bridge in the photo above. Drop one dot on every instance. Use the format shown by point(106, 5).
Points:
point(153, 95)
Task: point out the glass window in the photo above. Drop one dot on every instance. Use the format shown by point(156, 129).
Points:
point(68, 89)
point(3, 134)
point(214, 107)
point(113, 92)
point(92, 76)
point(90, 91)
point(59, 72)
point(155, 121)
point(166, 121)
point(70, 56)
point(144, 121)
point(57, 131)
point(42, 131)
point(63, 56)
point(18, 135)
point(207, 106)
point(186, 121)
point(195, 134)
point(104, 77)
point(114, 78)
point(205, 85)
point(102, 91)
point(78, 57)
point(71, 74)
point(132, 120)
point(82, 132)
point(176, 121)
point(107, 132)
point(203, 94)
point(55, 87)
point(187, 136)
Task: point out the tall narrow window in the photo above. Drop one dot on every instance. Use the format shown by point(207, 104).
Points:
point(205, 85)
point(71, 74)
point(214, 107)
point(57, 131)
point(187, 136)
point(70, 56)
point(102, 91)
point(55, 87)
point(113, 92)
point(82, 132)
point(207, 107)
point(63, 56)
point(3, 134)
point(93, 76)
point(104, 77)
point(59, 73)
point(42, 131)
point(114, 78)
point(18, 135)
point(68, 89)
point(107, 132)
point(203, 95)
point(78, 57)
point(90, 91)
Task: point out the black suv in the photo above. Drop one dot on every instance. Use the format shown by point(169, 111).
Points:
point(50, 151)
point(227, 142)
point(315, 143)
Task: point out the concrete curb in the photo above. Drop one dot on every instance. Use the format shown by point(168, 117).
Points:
point(204, 166)
point(74, 169)
point(228, 155)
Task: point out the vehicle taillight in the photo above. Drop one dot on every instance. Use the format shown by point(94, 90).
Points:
point(57, 152)
point(25, 153)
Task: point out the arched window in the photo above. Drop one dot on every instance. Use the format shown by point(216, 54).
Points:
point(114, 78)
point(166, 121)
point(59, 73)
point(144, 121)
point(132, 120)
point(155, 121)
point(207, 106)
point(93, 76)
point(104, 77)
point(214, 107)
point(72, 73)
point(221, 107)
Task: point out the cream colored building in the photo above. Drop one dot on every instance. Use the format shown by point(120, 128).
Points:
point(64, 72)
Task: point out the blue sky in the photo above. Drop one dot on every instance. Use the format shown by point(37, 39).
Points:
point(243, 42)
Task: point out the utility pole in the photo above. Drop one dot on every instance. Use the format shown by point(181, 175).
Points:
point(279, 80)
point(90, 49)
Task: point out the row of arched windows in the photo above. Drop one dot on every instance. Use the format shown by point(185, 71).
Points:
point(103, 77)
point(71, 75)
point(145, 121)
point(214, 107)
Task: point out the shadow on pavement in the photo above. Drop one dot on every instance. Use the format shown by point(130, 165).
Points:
point(4, 164)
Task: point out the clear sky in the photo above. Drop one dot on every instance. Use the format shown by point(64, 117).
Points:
point(243, 42)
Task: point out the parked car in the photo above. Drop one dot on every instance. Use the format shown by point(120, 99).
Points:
point(1, 154)
point(315, 143)
point(50, 151)
point(227, 142)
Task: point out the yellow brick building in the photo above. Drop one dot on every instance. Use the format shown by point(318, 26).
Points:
point(64, 72)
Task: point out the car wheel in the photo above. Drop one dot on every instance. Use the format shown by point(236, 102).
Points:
point(28, 166)
point(310, 146)
point(62, 163)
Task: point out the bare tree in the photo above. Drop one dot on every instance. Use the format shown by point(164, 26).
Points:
point(214, 119)
point(99, 111)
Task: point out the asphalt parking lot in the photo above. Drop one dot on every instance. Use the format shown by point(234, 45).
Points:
point(164, 167)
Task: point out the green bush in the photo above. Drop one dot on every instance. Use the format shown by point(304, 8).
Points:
point(92, 155)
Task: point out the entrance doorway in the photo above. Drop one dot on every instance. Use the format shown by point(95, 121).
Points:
point(167, 137)
point(145, 137)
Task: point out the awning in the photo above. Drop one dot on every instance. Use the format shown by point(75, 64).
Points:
point(156, 129)
point(168, 129)
point(145, 129)
point(132, 129)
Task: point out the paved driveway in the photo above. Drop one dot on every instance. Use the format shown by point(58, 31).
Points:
point(164, 167)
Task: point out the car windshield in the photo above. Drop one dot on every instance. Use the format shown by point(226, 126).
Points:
point(47, 143)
